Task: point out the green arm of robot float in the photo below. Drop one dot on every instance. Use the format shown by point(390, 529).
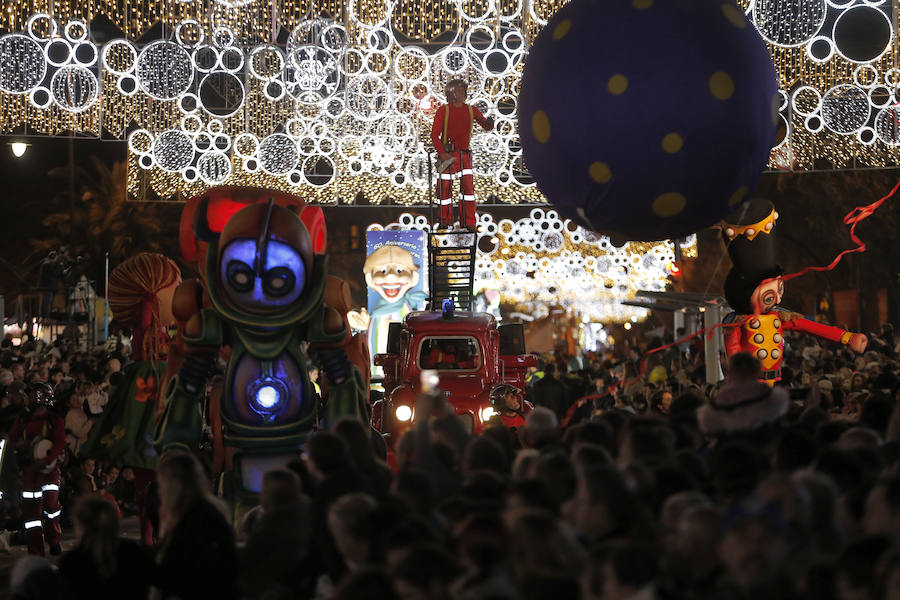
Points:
point(182, 423)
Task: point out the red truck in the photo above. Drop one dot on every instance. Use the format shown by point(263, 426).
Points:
point(470, 354)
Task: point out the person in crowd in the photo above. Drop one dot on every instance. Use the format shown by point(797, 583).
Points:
point(197, 557)
point(275, 558)
point(104, 565)
point(550, 392)
point(39, 437)
point(78, 424)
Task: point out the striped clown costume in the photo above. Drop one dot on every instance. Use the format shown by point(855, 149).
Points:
point(451, 133)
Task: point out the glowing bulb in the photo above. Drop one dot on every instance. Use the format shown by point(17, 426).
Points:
point(403, 412)
point(627, 325)
point(19, 148)
point(487, 413)
point(267, 396)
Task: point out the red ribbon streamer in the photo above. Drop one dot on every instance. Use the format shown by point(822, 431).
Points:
point(853, 218)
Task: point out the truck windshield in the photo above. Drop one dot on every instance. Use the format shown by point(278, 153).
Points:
point(449, 354)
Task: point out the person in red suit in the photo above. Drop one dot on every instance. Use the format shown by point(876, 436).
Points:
point(40, 437)
point(451, 132)
point(754, 287)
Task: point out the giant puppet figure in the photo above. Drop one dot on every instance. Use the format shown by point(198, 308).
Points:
point(754, 288)
point(451, 132)
point(261, 298)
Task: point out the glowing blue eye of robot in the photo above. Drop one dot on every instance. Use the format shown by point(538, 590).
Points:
point(267, 396)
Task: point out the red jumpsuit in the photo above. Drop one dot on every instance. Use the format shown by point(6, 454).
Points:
point(762, 336)
point(451, 132)
point(40, 482)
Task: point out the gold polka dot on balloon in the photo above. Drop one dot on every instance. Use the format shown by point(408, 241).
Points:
point(738, 196)
point(669, 204)
point(642, 4)
point(734, 15)
point(600, 172)
point(540, 125)
point(560, 31)
point(721, 85)
point(617, 84)
point(672, 143)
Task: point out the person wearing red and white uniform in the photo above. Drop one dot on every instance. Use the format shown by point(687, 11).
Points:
point(40, 437)
point(451, 133)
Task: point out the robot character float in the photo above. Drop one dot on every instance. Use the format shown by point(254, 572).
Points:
point(754, 288)
point(264, 300)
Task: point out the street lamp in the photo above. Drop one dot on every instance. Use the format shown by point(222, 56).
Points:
point(19, 148)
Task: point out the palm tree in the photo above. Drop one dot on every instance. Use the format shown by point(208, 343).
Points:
point(102, 219)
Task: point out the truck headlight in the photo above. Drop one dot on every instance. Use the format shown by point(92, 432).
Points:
point(486, 413)
point(403, 413)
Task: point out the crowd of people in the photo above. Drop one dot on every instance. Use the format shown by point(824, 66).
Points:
point(628, 480)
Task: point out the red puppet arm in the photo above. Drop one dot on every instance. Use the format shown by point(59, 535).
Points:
point(733, 341)
point(856, 341)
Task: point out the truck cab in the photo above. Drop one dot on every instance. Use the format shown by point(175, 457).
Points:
point(470, 354)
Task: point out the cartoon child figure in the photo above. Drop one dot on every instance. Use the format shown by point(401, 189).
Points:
point(392, 272)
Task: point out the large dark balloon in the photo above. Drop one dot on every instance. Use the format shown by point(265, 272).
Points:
point(648, 119)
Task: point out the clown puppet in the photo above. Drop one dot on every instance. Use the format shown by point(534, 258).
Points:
point(754, 287)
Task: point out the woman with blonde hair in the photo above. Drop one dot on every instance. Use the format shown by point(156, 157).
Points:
point(197, 556)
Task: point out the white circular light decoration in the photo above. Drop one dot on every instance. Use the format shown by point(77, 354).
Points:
point(140, 141)
point(887, 125)
point(806, 94)
point(119, 57)
point(814, 123)
point(164, 70)
point(313, 76)
point(187, 27)
point(40, 97)
point(74, 88)
point(862, 33)
point(173, 150)
point(214, 167)
point(58, 52)
point(205, 58)
point(246, 145)
point(815, 46)
point(789, 22)
point(36, 21)
point(266, 62)
point(334, 38)
point(316, 170)
point(71, 31)
point(127, 85)
point(368, 97)
point(22, 64)
point(278, 154)
point(146, 161)
point(866, 136)
point(845, 108)
point(222, 94)
point(85, 54)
